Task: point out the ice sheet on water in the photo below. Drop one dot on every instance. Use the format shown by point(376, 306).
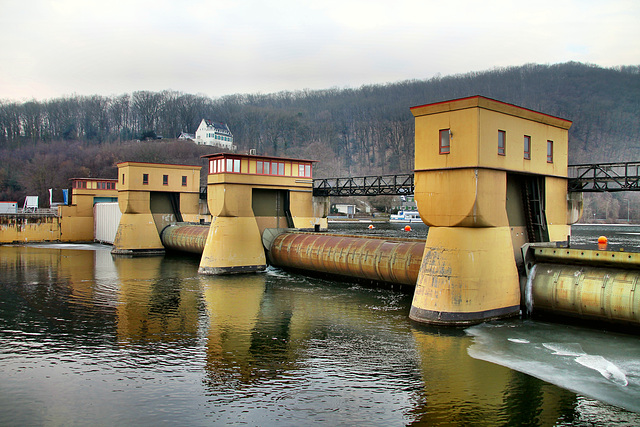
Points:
point(603, 366)
point(564, 349)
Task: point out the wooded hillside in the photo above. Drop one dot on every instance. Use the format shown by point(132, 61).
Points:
point(367, 130)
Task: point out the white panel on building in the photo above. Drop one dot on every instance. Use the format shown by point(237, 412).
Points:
point(106, 217)
point(9, 207)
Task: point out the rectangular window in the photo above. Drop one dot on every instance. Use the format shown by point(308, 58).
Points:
point(220, 165)
point(122, 179)
point(259, 167)
point(301, 170)
point(527, 147)
point(229, 167)
point(165, 179)
point(445, 141)
point(145, 178)
point(236, 165)
point(502, 142)
point(266, 168)
point(184, 181)
point(549, 151)
point(281, 168)
point(307, 171)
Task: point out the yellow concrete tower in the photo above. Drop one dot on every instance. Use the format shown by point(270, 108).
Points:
point(489, 177)
point(152, 196)
point(77, 219)
point(247, 194)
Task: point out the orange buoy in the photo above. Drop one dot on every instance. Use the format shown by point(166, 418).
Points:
point(407, 228)
point(602, 239)
point(371, 227)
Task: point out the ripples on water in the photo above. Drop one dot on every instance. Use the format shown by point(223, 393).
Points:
point(86, 338)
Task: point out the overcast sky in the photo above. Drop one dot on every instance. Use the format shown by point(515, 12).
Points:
point(57, 48)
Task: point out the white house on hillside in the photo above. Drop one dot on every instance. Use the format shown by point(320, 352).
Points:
point(212, 133)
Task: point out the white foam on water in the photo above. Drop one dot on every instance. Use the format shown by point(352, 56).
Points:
point(528, 290)
point(518, 340)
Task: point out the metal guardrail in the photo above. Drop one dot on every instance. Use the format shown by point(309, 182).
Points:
point(33, 212)
point(604, 177)
point(365, 186)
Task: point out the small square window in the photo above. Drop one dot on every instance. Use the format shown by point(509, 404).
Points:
point(184, 181)
point(549, 151)
point(445, 141)
point(527, 147)
point(165, 179)
point(502, 142)
point(145, 178)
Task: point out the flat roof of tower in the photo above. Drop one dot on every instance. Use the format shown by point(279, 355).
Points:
point(255, 156)
point(478, 101)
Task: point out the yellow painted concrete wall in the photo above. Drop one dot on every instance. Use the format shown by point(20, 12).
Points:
point(29, 228)
point(516, 128)
point(557, 208)
point(462, 197)
point(474, 124)
point(130, 176)
point(464, 151)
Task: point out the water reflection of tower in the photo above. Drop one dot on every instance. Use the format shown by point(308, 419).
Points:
point(480, 393)
point(153, 305)
point(233, 304)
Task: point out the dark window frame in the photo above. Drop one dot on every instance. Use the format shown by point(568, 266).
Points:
point(442, 148)
point(502, 142)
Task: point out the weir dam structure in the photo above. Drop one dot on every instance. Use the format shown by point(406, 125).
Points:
point(491, 181)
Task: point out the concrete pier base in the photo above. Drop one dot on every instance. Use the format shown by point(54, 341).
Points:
point(468, 275)
point(137, 235)
point(234, 245)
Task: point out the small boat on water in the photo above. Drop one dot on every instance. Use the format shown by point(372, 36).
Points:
point(406, 216)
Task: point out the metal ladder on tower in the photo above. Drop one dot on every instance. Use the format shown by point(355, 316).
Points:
point(533, 199)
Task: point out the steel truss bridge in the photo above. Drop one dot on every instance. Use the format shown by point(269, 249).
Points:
point(587, 178)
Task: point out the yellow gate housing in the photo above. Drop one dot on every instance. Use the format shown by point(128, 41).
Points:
point(476, 160)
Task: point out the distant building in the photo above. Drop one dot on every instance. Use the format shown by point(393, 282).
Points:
point(217, 134)
point(185, 136)
point(349, 210)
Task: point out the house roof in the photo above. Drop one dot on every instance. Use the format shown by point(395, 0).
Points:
point(218, 127)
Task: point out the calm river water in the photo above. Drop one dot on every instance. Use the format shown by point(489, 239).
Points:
point(91, 339)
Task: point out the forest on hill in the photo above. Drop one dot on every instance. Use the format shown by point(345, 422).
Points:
point(351, 132)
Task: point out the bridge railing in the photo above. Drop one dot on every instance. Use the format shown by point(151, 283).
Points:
point(604, 177)
point(601, 177)
point(364, 186)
